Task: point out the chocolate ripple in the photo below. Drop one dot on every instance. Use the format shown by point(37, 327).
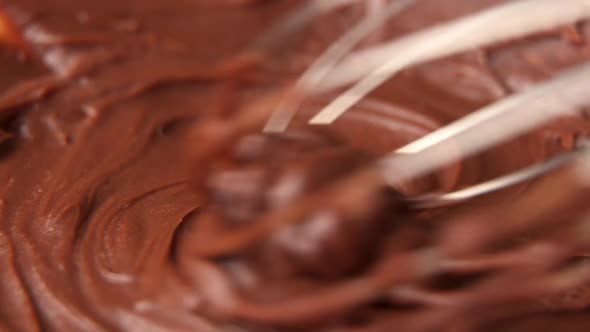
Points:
point(97, 194)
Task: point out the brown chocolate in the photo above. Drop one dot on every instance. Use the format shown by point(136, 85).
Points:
point(98, 202)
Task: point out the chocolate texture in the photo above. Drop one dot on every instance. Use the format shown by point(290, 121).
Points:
point(124, 207)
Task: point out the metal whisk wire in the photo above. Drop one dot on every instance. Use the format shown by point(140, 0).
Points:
point(371, 68)
point(326, 62)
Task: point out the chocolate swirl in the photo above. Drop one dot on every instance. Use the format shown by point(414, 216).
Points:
point(98, 203)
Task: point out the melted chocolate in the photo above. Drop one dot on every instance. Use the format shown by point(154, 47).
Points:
point(98, 202)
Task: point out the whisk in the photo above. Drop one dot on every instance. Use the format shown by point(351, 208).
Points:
point(546, 14)
point(461, 245)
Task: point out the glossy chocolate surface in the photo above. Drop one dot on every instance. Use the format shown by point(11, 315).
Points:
point(99, 212)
